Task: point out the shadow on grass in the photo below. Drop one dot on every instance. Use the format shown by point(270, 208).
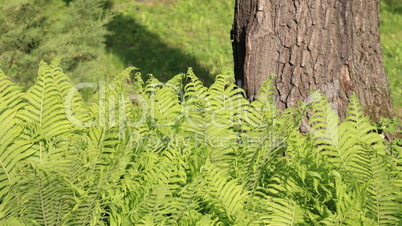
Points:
point(137, 46)
point(394, 6)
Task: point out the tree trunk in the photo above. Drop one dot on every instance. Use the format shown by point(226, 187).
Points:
point(329, 45)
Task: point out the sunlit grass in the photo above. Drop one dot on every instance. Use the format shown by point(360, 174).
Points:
point(198, 29)
point(391, 40)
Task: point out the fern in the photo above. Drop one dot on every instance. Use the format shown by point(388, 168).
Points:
point(165, 105)
point(45, 108)
point(383, 195)
point(10, 94)
point(195, 106)
point(74, 105)
point(12, 151)
point(262, 143)
point(223, 119)
point(285, 212)
point(150, 194)
point(223, 195)
point(45, 196)
point(183, 154)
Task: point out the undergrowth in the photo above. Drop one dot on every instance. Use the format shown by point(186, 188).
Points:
point(180, 153)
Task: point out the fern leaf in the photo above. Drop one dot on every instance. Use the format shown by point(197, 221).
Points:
point(74, 105)
point(12, 150)
point(10, 94)
point(337, 143)
point(195, 106)
point(45, 107)
point(285, 212)
point(9, 209)
point(46, 197)
point(165, 104)
point(222, 194)
point(359, 124)
point(384, 192)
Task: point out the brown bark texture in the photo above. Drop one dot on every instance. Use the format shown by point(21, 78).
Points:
point(328, 45)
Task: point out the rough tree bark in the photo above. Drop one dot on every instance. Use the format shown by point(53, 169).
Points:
point(330, 45)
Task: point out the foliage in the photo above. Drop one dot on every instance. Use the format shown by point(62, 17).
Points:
point(183, 154)
point(42, 29)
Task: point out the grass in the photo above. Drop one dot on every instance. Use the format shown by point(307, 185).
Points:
point(391, 40)
point(166, 37)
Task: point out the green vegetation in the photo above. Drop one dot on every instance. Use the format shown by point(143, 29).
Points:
point(391, 39)
point(166, 37)
point(183, 154)
point(42, 29)
point(160, 37)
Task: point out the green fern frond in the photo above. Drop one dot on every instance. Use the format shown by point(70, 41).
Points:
point(122, 79)
point(384, 193)
point(262, 110)
point(261, 138)
point(285, 212)
point(189, 155)
point(88, 209)
point(266, 92)
point(195, 106)
point(138, 83)
point(223, 195)
point(12, 221)
point(10, 94)
point(45, 107)
point(9, 209)
point(360, 126)
point(152, 85)
point(91, 172)
point(324, 123)
point(113, 109)
point(166, 105)
point(74, 105)
point(194, 86)
point(104, 142)
point(45, 195)
point(12, 150)
point(226, 107)
point(222, 82)
point(226, 98)
point(153, 193)
point(336, 142)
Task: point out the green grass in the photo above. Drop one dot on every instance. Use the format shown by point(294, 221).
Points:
point(166, 37)
point(391, 40)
